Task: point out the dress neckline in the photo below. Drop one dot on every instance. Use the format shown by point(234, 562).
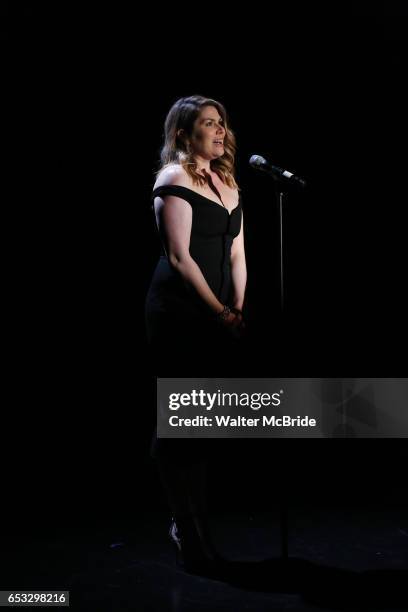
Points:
point(204, 198)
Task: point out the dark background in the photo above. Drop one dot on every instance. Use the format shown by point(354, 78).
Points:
point(318, 91)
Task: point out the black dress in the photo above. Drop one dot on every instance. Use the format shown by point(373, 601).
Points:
point(185, 337)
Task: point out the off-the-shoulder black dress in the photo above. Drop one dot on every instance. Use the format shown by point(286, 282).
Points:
point(185, 337)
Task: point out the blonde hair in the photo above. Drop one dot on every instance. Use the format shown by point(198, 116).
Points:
point(182, 116)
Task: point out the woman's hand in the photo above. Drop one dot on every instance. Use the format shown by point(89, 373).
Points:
point(240, 323)
point(234, 323)
point(231, 320)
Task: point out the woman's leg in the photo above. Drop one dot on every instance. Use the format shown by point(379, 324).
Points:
point(185, 487)
point(184, 482)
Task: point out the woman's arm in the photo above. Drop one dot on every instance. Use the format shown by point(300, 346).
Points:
point(238, 269)
point(174, 217)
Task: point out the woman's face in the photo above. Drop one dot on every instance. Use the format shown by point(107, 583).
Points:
point(207, 138)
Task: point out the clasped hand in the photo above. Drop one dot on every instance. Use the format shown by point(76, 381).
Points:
point(234, 322)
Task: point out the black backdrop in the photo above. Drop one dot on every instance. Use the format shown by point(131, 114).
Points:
point(318, 91)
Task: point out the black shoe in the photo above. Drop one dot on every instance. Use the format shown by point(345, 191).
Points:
point(173, 535)
point(194, 549)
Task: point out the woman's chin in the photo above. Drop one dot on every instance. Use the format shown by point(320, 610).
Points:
point(218, 154)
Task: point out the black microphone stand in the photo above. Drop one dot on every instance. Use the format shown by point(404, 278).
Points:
point(284, 509)
point(284, 512)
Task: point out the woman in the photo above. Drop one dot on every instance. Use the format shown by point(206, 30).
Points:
point(194, 304)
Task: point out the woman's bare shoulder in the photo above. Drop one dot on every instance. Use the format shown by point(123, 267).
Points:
point(173, 175)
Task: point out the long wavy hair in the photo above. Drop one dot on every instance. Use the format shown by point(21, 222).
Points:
point(182, 116)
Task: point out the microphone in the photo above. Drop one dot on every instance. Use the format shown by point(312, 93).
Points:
point(260, 163)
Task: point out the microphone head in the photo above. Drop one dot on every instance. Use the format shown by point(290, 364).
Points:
point(257, 161)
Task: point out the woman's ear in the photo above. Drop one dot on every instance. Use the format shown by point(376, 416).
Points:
point(181, 135)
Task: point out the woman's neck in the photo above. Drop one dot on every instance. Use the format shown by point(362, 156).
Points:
point(203, 165)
